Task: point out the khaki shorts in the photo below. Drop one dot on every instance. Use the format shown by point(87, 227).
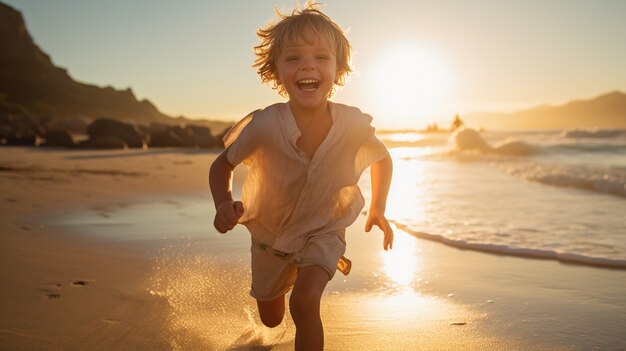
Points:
point(274, 273)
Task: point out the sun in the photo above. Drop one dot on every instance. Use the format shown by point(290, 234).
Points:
point(409, 82)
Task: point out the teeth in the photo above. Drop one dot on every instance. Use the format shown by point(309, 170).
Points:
point(307, 81)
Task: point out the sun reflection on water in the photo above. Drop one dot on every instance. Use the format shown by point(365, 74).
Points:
point(401, 263)
point(404, 136)
point(407, 193)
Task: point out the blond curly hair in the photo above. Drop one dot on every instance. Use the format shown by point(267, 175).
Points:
point(289, 29)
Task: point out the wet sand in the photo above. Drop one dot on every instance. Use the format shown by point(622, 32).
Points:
point(67, 288)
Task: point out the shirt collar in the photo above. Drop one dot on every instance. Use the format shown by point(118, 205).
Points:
point(291, 130)
point(289, 126)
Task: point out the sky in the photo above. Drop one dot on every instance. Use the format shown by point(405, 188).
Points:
point(416, 62)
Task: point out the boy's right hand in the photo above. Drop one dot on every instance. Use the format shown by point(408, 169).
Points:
point(228, 213)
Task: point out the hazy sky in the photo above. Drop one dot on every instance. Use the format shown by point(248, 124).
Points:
point(416, 61)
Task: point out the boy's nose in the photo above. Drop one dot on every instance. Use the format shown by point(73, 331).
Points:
point(308, 67)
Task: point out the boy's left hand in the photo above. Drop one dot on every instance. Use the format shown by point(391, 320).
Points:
point(377, 217)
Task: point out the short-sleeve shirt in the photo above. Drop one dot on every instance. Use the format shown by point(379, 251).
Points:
point(289, 197)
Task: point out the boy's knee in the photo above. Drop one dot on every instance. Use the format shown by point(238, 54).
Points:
point(303, 302)
point(272, 312)
point(271, 321)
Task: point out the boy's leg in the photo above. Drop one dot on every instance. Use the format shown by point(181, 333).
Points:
point(272, 312)
point(304, 306)
point(271, 276)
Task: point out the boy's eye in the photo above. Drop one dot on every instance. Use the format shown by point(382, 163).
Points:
point(323, 57)
point(291, 58)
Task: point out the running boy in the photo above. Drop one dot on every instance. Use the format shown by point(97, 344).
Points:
point(305, 158)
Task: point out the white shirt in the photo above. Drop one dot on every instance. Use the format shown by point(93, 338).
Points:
point(289, 197)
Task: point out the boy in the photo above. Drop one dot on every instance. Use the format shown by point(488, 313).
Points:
point(305, 158)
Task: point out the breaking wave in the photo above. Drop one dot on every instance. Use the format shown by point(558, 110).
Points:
point(594, 133)
point(468, 139)
point(608, 180)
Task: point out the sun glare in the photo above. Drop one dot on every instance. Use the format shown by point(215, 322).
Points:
point(400, 264)
point(410, 82)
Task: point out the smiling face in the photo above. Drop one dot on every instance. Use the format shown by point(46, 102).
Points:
point(307, 70)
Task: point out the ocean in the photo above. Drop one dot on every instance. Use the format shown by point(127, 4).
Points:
point(558, 194)
point(555, 194)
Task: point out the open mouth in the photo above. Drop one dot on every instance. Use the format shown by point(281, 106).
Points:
point(308, 84)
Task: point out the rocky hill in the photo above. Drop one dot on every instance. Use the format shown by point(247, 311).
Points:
point(605, 111)
point(31, 85)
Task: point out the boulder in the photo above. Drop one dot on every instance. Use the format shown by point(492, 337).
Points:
point(201, 136)
point(74, 124)
point(18, 140)
point(58, 138)
point(181, 136)
point(171, 137)
point(103, 142)
point(104, 127)
point(20, 130)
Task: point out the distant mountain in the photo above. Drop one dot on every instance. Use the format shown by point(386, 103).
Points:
point(31, 85)
point(605, 111)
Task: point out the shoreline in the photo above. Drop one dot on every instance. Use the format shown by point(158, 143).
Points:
point(449, 299)
point(537, 254)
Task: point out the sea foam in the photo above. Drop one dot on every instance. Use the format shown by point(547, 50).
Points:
point(609, 180)
point(510, 250)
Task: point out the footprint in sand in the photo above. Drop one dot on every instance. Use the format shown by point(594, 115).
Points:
point(52, 296)
point(51, 291)
point(80, 283)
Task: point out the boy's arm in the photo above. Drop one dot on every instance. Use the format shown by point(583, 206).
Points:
point(220, 180)
point(381, 181)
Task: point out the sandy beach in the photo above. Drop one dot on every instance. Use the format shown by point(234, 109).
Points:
point(66, 287)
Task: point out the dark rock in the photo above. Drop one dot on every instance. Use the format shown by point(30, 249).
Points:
point(145, 132)
point(17, 140)
point(171, 137)
point(72, 124)
point(105, 127)
point(20, 130)
point(201, 136)
point(58, 138)
point(181, 136)
point(156, 128)
point(103, 142)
